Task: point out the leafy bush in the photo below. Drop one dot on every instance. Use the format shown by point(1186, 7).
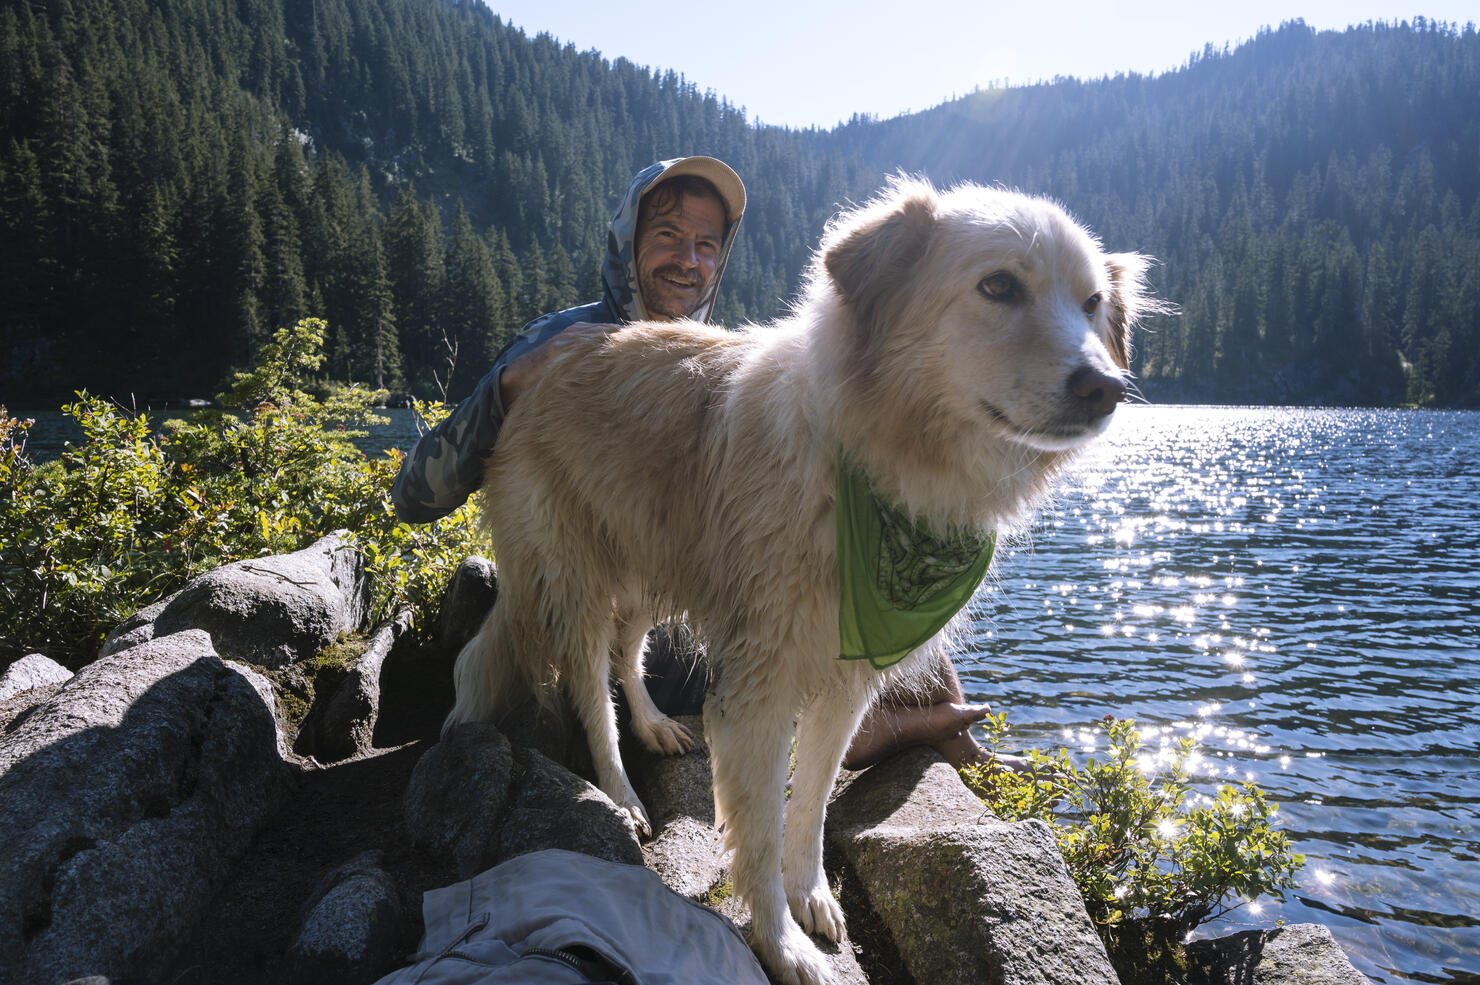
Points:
point(1152, 856)
point(131, 513)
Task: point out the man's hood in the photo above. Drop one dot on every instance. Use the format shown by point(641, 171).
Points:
point(619, 269)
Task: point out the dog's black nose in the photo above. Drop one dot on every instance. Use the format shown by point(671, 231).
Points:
point(1095, 393)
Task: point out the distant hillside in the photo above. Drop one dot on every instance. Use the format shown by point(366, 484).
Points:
point(179, 177)
point(1314, 198)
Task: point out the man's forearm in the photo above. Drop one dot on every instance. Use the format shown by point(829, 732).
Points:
point(446, 466)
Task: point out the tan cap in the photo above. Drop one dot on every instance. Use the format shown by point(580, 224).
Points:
point(717, 173)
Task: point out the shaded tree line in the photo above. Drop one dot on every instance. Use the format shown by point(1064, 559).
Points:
point(179, 178)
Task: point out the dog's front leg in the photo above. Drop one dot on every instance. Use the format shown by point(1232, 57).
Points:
point(827, 726)
point(749, 739)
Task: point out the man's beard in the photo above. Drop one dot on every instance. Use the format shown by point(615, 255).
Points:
point(653, 288)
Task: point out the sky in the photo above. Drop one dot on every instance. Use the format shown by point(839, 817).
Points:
point(801, 63)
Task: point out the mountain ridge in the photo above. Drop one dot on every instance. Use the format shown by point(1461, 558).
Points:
point(177, 179)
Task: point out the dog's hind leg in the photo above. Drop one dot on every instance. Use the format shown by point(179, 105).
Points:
point(657, 731)
point(826, 727)
point(749, 740)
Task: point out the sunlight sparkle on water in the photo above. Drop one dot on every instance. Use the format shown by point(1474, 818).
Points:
point(1294, 590)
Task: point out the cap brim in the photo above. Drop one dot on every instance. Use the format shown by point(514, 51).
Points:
point(717, 173)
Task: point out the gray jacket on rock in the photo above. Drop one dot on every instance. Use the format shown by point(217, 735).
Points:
point(556, 917)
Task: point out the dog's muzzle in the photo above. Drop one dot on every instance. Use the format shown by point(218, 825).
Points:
point(1094, 393)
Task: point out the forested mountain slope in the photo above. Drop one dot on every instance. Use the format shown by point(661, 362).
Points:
point(1313, 198)
point(179, 177)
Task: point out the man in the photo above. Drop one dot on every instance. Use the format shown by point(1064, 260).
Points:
point(665, 253)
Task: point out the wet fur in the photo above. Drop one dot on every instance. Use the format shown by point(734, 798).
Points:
point(677, 469)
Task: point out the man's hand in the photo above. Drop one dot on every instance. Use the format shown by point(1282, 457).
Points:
point(522, 373)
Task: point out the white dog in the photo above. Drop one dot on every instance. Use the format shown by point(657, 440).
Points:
point(956, 347)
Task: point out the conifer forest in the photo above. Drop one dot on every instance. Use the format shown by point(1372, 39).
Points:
point(179, 178)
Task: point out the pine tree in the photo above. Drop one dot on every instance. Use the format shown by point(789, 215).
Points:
point(1426, 338)
point(360, 299)
point(475, 311)
point(151, 320)
point(510, 275)
point(1380, 335)
point(560, 289)
point(416, 262)
point(284, 286)
point(27, 274)
point(242, 269)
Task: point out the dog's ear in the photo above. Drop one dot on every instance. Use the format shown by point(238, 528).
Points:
point(871, 259)
point(1130, 301)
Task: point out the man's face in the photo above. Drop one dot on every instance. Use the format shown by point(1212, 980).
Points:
point(677, 251)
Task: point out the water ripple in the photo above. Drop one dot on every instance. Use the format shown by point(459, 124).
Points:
point(1300, 589)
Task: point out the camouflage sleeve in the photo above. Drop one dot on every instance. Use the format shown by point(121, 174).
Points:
point(446, 465)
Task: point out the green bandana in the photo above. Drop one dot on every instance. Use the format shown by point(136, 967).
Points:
point(899, 584)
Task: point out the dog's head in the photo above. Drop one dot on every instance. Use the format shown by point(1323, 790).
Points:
point(1001, 297)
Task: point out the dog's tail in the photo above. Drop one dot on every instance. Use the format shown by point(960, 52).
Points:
point(487, 679)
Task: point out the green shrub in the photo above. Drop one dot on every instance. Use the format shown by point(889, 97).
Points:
point(130, 513)
point(1153, 856)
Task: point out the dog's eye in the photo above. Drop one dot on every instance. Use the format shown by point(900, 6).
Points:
point(1092, 304)
point(1000, 286)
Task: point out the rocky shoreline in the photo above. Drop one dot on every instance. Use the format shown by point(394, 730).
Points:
point(248, 786)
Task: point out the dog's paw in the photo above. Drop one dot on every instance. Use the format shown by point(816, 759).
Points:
point(818, 912)
point(635, 810)
point(664, 735)
point(793, 959)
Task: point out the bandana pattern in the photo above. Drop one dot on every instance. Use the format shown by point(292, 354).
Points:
point(915, 567)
